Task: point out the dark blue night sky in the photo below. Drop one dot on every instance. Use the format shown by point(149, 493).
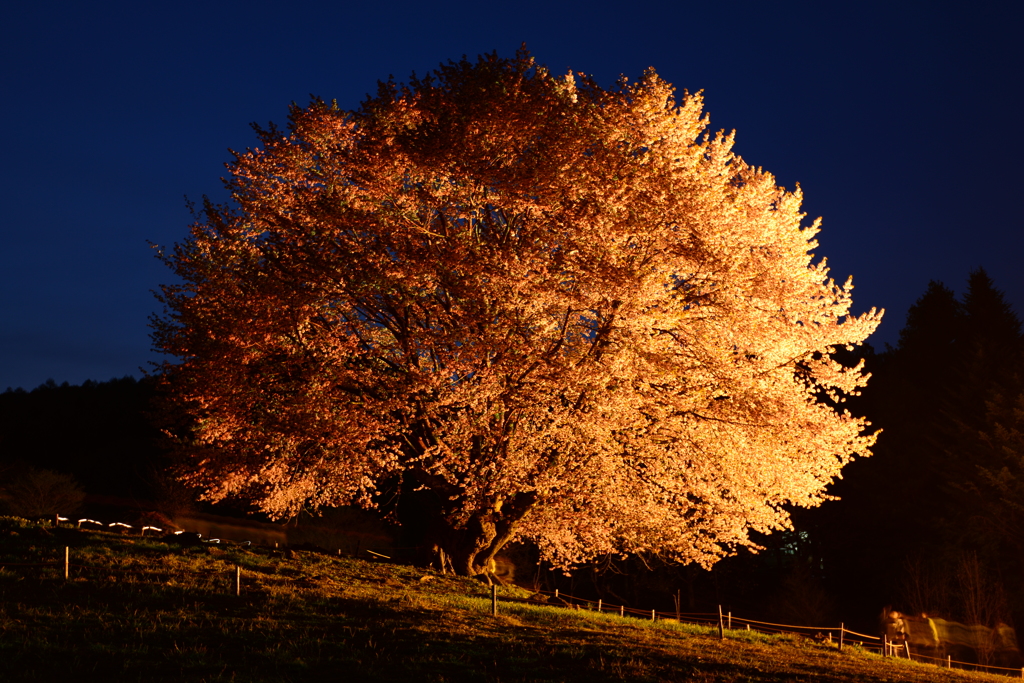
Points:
point(903, 122)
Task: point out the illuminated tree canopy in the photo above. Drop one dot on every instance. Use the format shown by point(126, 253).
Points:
point(565, 311)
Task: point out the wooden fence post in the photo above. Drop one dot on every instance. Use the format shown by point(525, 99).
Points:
point(679, 597)
point(238, 580)
point(652, 615)
point(622, 610)
point(949, 661)
point(885, 645)
point(730, 621)
point(599, 601)
point(721, 624)
point(842, 630)
point(66, 562)
point(494, 600)
point(906, 647)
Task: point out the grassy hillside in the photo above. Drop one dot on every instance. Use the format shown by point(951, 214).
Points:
point(141, 609)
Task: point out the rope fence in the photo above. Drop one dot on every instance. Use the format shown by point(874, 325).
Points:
point(724, 621)
point(838, 635)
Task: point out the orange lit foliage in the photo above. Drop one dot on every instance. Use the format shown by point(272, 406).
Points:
point(561, 309)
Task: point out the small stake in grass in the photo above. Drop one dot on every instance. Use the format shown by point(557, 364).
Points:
point(652, 615)
point(238, 580)
point(66, 557)
point(494, 600)
point(949, 664)
point(599, 604)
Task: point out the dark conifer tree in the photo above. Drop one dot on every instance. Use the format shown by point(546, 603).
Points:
point(915, 396)
point(994, 495)
point(990, 349)
point(912, 395)
point(983, 463)
point(984, 377)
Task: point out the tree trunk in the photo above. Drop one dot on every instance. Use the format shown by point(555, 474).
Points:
point(473, 547)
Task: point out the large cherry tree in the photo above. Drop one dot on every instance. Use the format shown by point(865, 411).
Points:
point(565, 312)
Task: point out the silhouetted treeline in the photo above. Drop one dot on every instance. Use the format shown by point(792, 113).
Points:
point(99, 432)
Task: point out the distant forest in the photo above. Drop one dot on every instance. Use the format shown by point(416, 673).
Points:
point(101, 433)
point(933, 522)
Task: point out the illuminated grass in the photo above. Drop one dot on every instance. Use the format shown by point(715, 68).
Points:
point(145, 610)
